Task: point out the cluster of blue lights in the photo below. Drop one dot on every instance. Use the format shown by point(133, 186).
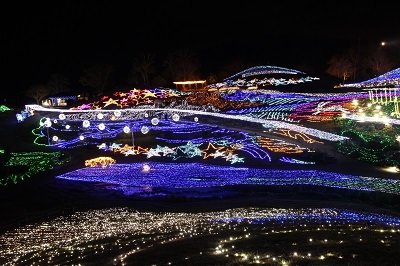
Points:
point(195, 175)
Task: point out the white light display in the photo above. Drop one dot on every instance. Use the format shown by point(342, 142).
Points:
point(47, 123)
point(127, 129)
point(86, 123)
point(100, 116)
point(102, 126)
point(175, 117)
point(144, 130)
point(155, 121)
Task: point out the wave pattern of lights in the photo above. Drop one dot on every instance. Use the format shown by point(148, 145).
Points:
point(194, 175)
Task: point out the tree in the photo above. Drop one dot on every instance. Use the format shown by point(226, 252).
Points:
point(142, 69)
point(97, 77)
point(182, 65)
point(353, 56)
point(58, 83)
point(339, 66)
point(38, 92)
point(378, 61)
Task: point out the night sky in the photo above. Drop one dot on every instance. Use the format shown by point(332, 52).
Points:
point(41, 37)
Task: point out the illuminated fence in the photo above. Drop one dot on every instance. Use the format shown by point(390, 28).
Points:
point(385, 96)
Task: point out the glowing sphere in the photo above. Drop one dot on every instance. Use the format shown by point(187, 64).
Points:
point(55, 138)
point(155, 121)
point(144, 130)
point(146, 115)
point(100, 116)
point(146, 168)
point(55, 121)
point(117, 113)
point(47, 123)
point(86, 123)
point(67, 126)
point(81, 137)
point(127, 129)
point(102, 126)
point(196, 119)
point(61, 116)
point(175, 117)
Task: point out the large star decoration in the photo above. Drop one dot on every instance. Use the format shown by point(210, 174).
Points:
point(190, 149)
point(233, 158)
point(129, 152)
point(110, 102)
point(211, 150)
point(166, 150)
point(153, 152)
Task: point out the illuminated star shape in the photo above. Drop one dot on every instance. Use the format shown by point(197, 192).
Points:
point(235, 159)
point(141, 150)
point(211, 150)
point(191, 149)
point(165, 150)
point(134, 91)
point(152, 152)
point(218, 154)
point(188, 151)
point(124, 100)
point(147, 94)
point(85, 107)
point(115, 146)
point(102, 146)
point(110, 101)
point(129, 152)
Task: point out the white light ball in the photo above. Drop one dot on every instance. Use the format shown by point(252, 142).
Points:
point(175, 117)
point(127, 129)
point(144, 130)
point(155, 121)
point(86, 123)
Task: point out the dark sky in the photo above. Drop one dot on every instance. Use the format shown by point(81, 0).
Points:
point(45, 37)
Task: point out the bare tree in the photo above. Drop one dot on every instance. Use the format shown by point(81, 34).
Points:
point(182, 65)
point(340, 66)
point(58, 83)
point(142, 69)
point(354, 58)
point(378, 61)
point(38, 92)
point(97, 77)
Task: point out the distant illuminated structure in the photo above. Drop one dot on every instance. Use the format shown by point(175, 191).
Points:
point(259, 76)
point(198, 85)
point(389, 79)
